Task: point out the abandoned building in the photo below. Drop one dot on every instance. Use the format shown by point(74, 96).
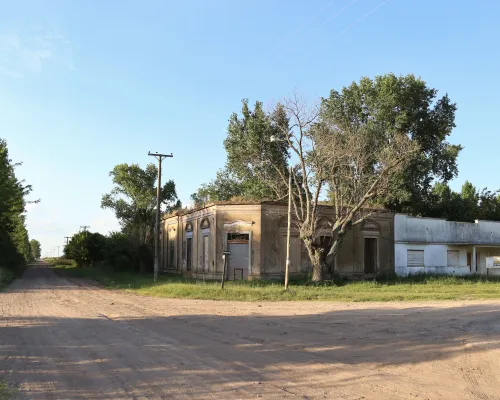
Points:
point(437, 246)
point(254, 234)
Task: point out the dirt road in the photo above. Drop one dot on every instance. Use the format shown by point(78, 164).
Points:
point(62, 340)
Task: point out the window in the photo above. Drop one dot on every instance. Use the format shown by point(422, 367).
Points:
point(189, 253)
point(452, 258)
point(171, 253)
point(206, 256)
point(415, 258)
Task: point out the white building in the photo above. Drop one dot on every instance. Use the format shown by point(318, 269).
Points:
point(437, 246)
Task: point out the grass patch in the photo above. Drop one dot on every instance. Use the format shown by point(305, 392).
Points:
point(5, 392)
point(416, 288)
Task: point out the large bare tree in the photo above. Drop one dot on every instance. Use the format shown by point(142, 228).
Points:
point(355, 161)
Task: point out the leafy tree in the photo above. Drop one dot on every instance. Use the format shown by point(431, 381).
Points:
point(466, 206)
point(223, 188)
point(252, 157)
point(133, 198)
point(354, 159)
point(14, 241)
point(36, 249)
point(121, 253)
point(86, 248)
point(404, 104)
point(254, 162)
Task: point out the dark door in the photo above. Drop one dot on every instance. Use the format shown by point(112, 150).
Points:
point(189, 253)
point(370, 255)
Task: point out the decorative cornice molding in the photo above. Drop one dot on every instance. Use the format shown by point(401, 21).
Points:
point(238, 223)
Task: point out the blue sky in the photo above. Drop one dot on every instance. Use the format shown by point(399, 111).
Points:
point(85, 85)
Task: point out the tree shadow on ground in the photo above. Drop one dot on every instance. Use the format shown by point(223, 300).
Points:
point(103, 357)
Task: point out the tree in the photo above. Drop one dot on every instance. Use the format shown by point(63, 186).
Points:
point(354, 159)
point(465, 206)
point(133, 198)
point(253, 161)
point(404, 104)
point(36, 249)
point(14, 241)
point(86, 248)
point(223, 188)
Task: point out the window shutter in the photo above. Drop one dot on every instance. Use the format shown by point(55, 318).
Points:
point(452, 258)
point(415, 258)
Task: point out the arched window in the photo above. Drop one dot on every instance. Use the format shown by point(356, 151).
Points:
point(205, 224)
point(205, 237)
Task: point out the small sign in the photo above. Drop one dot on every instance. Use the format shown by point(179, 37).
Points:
point(492, 262)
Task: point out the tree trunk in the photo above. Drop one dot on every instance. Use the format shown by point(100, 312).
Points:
point(317, 271)
point(316, 262)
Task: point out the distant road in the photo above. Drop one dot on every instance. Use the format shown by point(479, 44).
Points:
point(62, 339)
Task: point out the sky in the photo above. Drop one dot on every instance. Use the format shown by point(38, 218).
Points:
point(86, 85)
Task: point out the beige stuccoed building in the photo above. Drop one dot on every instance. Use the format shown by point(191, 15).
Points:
point(193, 243)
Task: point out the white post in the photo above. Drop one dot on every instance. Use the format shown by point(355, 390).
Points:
point(474, 266)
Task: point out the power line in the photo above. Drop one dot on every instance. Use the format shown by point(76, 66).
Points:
point(352, 25)
point(360, 19)
point(331, 18)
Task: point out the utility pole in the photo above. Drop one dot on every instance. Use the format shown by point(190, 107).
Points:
point(84, 227)
point(287, 267)
point(160, 158)
point(67, 239)
point(58, 251)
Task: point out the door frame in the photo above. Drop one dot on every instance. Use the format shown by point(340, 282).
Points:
point(249, 233)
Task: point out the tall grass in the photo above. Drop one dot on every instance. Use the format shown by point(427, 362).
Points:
point(420, 287)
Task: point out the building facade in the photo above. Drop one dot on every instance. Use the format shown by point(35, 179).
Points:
point(437, 246)
point(254, 234)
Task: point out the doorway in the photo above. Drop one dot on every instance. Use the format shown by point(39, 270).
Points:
point(370, 255)
point(237, 263)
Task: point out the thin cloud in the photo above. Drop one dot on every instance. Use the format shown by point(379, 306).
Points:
point(20, 56)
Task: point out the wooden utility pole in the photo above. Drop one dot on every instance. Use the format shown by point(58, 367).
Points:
point(67, 239)
point(160, 158)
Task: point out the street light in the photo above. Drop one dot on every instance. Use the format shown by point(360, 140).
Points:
point(273, 138)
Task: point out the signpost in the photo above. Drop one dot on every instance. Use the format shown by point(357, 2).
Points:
point(224, 257)
point(492, 262)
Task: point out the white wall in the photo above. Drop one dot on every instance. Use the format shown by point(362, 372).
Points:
point(435, 259)
point(431, 230)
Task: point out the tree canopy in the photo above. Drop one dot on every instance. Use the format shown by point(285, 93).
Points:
point(133, 198)
point(14, 240)
point(36, 249)
point(254, 162)
point(404, 104)
point(378, 143)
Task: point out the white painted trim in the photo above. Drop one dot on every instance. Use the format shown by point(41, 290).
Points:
point(238, 223)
